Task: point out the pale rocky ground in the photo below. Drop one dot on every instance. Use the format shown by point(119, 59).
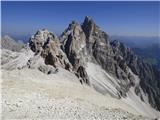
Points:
point(31, 94)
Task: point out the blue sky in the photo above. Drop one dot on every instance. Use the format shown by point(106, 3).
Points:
point(115, 18)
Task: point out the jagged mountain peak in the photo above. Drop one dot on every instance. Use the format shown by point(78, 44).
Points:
point(93, 32)
point(88, 20)
point(44, 29)
point(114, 57)
point(41, 39)
point(73, 41)
point(89, 26)
point(46, 45)
point(73, 24)
point(88, 17)
point(83, 44)
point(71, 29)
point(44, 33)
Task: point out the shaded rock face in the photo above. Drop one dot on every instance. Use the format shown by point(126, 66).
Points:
point(149, 76)
point(73, 43)
point(89, 27)
point(100, 48)
point(81, 73)
point(150, 83)
point(94, 36)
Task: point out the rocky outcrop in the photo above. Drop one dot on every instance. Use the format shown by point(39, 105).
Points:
point(66, 53)
point(47, 45)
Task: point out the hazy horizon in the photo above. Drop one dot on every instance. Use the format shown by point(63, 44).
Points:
point(115, 18)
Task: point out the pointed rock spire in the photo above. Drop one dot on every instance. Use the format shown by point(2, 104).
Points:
point(88, 20)
point(88, 26)
point(73, 41)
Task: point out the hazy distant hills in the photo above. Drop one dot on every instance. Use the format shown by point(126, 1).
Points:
point(9, 43)
point(137, 41)
point(150, 54)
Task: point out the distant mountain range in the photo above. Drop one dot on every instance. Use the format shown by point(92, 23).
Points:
point(9, 43)
point(137, 41)
point(150, 54)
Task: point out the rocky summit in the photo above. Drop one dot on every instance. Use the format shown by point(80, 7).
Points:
point(107, 65)
point(86, 42)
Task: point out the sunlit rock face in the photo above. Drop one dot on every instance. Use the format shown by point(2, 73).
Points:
point(47, 45)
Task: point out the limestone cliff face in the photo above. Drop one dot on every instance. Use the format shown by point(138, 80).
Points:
point(73, 43)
